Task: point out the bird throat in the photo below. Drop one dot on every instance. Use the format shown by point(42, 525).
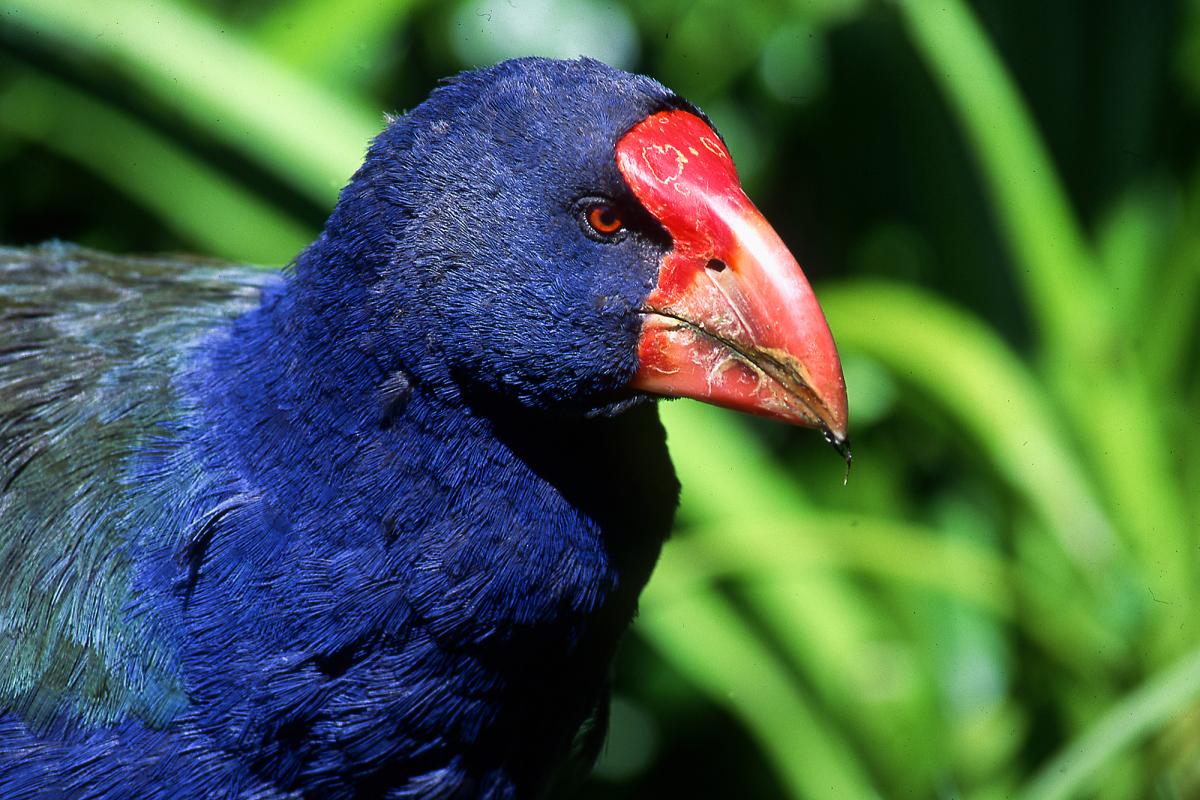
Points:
point(384, 536)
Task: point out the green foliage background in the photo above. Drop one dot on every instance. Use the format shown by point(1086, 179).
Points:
point(999, 203)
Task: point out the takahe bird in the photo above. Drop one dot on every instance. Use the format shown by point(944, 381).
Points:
point(373, 527)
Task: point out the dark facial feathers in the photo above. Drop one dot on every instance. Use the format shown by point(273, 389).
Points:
point(464, 220)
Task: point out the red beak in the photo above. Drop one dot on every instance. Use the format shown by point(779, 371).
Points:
point(732, 320)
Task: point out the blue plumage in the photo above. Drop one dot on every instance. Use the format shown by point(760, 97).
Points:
point(369, 529)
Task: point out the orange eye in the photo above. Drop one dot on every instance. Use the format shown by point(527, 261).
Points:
point(604, 219)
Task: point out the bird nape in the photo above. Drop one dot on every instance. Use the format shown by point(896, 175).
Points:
point(373, 527)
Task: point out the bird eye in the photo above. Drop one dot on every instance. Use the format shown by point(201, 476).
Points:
point(604, 219)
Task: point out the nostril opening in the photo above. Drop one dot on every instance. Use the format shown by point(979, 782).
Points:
point(715, 264)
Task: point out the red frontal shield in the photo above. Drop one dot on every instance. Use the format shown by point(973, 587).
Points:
point(732, 320)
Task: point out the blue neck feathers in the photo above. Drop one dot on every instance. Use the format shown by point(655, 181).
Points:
point(407, 568)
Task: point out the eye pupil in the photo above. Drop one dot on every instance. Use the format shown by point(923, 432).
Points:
point(604, 219)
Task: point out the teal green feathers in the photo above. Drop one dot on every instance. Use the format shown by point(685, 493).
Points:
point(88, 346)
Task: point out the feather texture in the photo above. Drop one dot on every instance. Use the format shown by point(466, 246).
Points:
point(90, 343)
point(370, 528)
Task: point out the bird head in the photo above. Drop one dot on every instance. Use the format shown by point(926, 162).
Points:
point(564, 235)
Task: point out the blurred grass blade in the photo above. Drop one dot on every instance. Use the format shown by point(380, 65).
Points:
point(973, 378)
point(741, 509)
point(1091, 363)
point(886, 549)
point(722, 465)
point(312, 137)
point(331, 42)
point(1175, 315)
point(194, 200)
point(1129, 243)
point(1174, 302)
point(1055, 263)
point(1167, 695)
point(703, 637)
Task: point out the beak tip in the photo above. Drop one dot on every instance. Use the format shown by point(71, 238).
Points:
point(841, 443)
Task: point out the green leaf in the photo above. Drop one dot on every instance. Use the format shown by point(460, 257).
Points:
point(1166, 696)
point(886, 549)
point(1172, 307)
point(704, 638)
point(334, 43)
point(1129, 245)
point(969, 375)
point(196, 201)
point(208, 73)
point(1055, 264)
point(740, 507)
point(1091, 364)
point(723, 466)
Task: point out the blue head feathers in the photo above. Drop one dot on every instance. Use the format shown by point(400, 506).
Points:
point(465, 224)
